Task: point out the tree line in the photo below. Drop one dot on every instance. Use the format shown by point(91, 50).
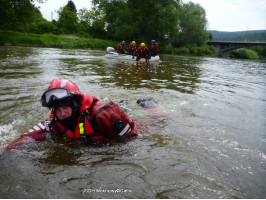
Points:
point(168, 22)
point(255, 35)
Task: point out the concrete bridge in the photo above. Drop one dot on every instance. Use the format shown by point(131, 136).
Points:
point(222, 47)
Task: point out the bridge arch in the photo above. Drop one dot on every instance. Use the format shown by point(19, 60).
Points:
point(222, 47)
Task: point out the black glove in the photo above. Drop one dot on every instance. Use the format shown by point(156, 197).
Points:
point(146, 103)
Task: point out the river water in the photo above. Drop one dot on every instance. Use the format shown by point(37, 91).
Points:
point(211, 145)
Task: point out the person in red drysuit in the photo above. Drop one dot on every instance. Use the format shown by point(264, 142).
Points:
point(121, 47)
point(132, 48)
point(154, 48)
point(82, 117)
point(142, 52)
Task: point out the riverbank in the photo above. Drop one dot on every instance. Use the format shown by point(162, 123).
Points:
point(11, 38)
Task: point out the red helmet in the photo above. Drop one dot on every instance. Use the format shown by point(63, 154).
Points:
point(59, 89)
point(62, 83)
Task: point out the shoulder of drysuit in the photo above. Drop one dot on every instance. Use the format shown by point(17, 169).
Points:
point(87, 101)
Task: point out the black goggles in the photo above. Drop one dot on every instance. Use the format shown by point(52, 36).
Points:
point(54, 94)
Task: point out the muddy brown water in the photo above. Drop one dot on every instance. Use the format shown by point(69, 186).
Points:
point(212, 144)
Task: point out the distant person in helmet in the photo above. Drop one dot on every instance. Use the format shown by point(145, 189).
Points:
point(142, 52)
point(132, 48)
point(121, 47)
point(82, 117)
point(154, 48)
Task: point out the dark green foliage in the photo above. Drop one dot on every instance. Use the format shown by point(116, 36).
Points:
point(68, 20)
point(261, 51)
point(243, 53)
point(71, 6)
point(92, 22)
point(140, 20)
point(192, 22)
point(16, 15)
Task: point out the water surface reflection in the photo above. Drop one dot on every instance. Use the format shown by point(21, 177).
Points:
point(212, 144)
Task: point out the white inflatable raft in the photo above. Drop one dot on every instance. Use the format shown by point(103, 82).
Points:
point(111, 54)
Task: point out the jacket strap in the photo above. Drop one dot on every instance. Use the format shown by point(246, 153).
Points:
point(82, 125)
point(88, 137)
point(102, 109)
point(57, 128)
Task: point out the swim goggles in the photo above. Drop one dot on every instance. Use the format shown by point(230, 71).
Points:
point(54, 94)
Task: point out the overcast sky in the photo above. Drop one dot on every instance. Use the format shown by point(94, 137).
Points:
point(222, 15)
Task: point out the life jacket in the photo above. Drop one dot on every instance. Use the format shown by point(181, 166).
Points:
point(97, 120)
point(120, 48)
point(142, 52)
point(155, 47)
point(132, 47)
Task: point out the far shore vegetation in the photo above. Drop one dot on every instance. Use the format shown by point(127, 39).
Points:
point(11, 38)
point(179, 28)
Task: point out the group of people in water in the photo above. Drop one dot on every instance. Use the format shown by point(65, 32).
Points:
point(141, 52)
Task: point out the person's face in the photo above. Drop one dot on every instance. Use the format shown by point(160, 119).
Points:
point(63, 112)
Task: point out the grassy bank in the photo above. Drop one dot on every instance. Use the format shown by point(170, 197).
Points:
point(49, 40)
point(197, 51)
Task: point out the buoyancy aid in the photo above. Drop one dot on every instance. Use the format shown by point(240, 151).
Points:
point(142, 52)
point(97, 120)
point(155, 48)
point(120, 48)
point(156, 44)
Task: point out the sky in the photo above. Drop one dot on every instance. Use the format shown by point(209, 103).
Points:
point(222, 15)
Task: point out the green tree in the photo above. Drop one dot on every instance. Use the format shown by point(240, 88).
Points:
point(139, 20)
point(17, 15)
point(192, 25)
point(68, 20)
point(210, 36)
point(71, 6)
point(41, 25)
point(92, 22)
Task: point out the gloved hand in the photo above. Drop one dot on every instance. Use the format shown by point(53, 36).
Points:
point(147, 102)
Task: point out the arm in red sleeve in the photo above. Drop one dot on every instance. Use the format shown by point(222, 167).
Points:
point(37, 133)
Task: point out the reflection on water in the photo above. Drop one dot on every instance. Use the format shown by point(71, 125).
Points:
point(212, 144)
point(182, 76)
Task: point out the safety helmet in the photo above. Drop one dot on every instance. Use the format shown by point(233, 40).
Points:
point(62, 83)
point(59, 89)
point(133, 42)
point(153, 41)
point(143, 45)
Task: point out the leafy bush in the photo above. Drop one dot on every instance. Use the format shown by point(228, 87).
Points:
point(243, 53)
